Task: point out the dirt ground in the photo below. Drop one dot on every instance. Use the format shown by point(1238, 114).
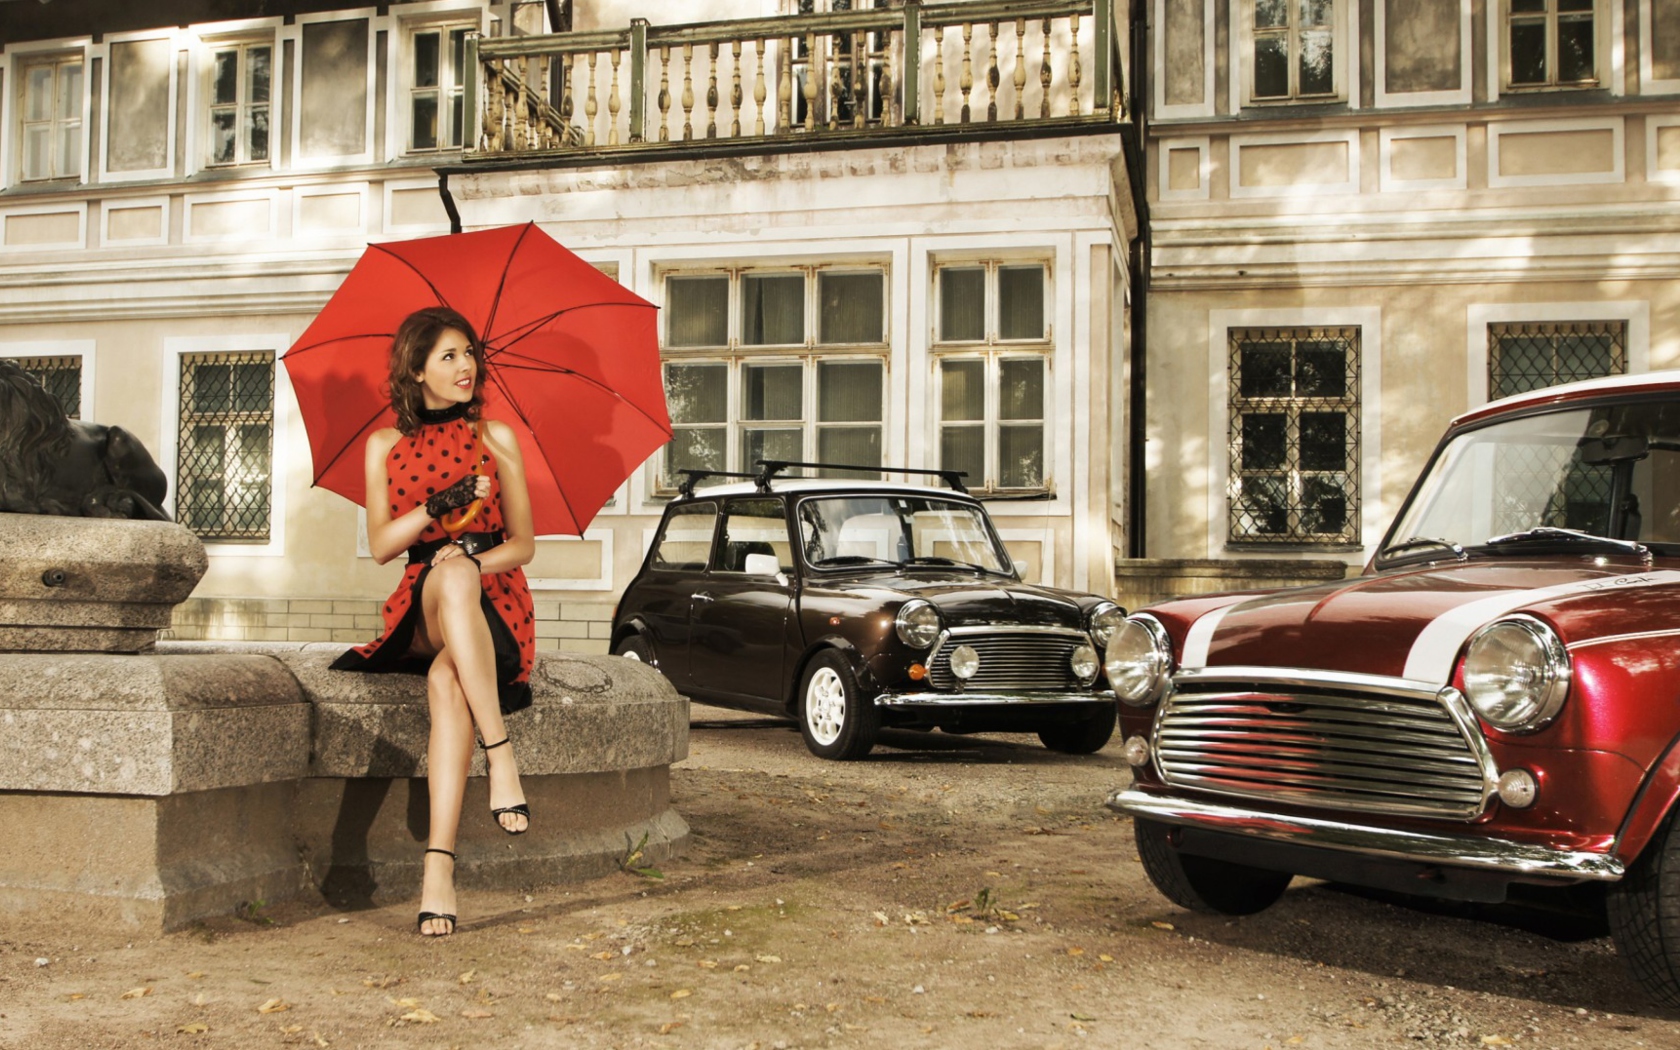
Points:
point(950, 891)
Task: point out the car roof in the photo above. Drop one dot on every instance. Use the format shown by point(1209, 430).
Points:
point(809, 486)
point(1637, 383)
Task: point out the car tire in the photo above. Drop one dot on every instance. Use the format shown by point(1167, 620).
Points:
point(1644, 913)
point(635, 647)
point(835, 719)
point(1202, 884)
point(1086, 736)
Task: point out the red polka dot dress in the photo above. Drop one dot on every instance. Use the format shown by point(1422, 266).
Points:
point(446, 447)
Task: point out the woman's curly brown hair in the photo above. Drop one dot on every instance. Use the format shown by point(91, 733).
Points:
point(410, 347)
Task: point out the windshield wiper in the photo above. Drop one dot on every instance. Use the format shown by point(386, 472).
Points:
point(1425, 541)
point(1552, 534)
point(849, 559)
point(935, 559)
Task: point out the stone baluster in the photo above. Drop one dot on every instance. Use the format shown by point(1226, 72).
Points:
point(810, 82)
point(1044, 75)
point(567, 63)
point(1020, 69)
point(784, 90)
point(1073, 66)
point(835, 88)
point(965, 82)
point(860, 70)
point(614, 101)
point(735, 89)
point(493, 106)
point(522, 137)
point(939, 75)
point(665, 94)
point(759, 86)
point(688, 92)
point(886, 85)
point(591, 107)
point(712, 94)
point(991, 72)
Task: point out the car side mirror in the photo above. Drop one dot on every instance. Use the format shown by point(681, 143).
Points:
point(762, 565)
point(1020, 567)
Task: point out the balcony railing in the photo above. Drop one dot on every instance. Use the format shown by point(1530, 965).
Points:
point(832, 76)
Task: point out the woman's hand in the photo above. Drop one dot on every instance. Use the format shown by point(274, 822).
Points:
point(449, 551)
point(458, 495)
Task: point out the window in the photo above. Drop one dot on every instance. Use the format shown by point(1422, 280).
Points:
point(1551, 43)
point(1294, 439)
point(754, 526)
point(61, 377)
point(775, 364)
point(1524, 357)
point(437, 86)
point(686, 541)
point(1293, 53)
point(52, 119)
point(992, 349)
point(241, 82)
point(223, 463)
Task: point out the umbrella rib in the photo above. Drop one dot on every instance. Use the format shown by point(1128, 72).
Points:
point(545, 366)
point(501, 282)
point(297, 350)
point(553, 473)
point(529, 328)
point(336, 456)
point(417, 272)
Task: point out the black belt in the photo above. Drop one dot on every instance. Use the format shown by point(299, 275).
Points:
point(469, 542)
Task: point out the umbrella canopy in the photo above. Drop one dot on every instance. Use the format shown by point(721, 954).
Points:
point(572, 356)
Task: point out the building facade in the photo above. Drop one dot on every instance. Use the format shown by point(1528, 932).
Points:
point(895, 235)
point(1368, 217)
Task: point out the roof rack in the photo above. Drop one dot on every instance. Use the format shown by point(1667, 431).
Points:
point(691, 478)
point(772, 467)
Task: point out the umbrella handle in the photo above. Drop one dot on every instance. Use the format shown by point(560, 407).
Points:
point(456, 521)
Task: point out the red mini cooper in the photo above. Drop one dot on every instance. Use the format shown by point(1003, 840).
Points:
point(1493, 702)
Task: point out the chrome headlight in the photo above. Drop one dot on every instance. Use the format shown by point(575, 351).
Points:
point(1104, 620)
point(917, 623)
point(965, 661)
point(1139, 660)
point(1516, 674)
point(1084, 664)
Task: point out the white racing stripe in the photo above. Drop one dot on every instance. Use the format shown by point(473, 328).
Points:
point(1436, 649)
point(1196, 643)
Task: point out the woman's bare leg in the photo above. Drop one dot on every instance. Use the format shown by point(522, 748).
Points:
point(448, 756)
point(453, 617)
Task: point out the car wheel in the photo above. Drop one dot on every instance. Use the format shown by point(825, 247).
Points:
point(635, 647)
point(1084, 737)
point(1644, 912)
point(834, 718)
point(1213, 887)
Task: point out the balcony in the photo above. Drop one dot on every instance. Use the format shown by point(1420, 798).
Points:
point(910, 73)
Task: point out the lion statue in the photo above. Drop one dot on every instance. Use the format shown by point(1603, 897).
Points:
point(52, 464)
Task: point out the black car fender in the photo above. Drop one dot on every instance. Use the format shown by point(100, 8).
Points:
point(633, 625)
point(832, 643)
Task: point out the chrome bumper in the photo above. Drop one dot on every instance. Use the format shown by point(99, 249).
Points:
point(1485, 854)
point(1105, 696)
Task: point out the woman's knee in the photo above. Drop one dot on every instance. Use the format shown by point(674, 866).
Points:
point(456, 580)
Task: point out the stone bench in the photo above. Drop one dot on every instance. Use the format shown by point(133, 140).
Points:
point(157, 788)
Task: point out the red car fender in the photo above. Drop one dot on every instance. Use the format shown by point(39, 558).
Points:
point(1651, 806)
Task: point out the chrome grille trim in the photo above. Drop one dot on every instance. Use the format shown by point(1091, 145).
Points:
point(1012, 659)
point(1356, 743)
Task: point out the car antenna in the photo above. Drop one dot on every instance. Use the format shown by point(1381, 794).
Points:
point(772, 467)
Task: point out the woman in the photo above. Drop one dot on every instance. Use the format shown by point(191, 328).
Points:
point(463, 603)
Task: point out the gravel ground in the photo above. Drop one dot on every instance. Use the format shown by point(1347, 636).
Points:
point(948, 891)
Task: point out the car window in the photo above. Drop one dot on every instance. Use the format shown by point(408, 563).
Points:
point(836, 531)
point(754, 526)
point(686, 540)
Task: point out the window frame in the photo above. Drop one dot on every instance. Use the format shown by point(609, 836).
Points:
point(80, 349)
point(404, 23)
point(57, 55)
point(1344, 70)
point(1635, 313)
point(994, 351)
point(1600, 52)
point(172, 131)
point(177, 347)
point(204, 104)
point(737, 356)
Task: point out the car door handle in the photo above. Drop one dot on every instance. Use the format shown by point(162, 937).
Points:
point(700, 596)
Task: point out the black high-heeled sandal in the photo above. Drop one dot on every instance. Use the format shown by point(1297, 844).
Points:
point(522, 809)
point(429, 916)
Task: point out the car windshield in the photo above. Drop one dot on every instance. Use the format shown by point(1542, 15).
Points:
point(1605, 478)
point(849, 531)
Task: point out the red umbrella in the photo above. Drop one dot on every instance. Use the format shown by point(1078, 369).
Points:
point(573, 362)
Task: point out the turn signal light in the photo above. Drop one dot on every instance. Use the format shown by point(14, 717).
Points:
point(918, 672)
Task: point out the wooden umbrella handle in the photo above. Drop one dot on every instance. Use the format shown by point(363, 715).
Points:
point(456, 521)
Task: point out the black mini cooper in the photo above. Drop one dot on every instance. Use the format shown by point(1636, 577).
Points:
point(854, 605)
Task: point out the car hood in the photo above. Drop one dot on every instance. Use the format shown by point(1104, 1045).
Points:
point(965, 599)
point(1414, 624)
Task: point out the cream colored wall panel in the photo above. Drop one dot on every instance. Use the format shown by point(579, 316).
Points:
point(1554, 153)
point(414, 207)
point(135, 223)
point(1294, 165)
point(1185, 168)
point(45, 227)
point(1662, 149)
point(1423, 53)
point(1035, 549)
point(231, 216)
point(1184, 58)
point(571, 563)
point(1423, 158)
point(329, 210)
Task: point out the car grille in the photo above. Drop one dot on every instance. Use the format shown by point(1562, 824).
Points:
point(1015, 661)
point(1335, 748)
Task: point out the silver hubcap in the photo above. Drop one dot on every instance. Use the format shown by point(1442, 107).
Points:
point(825, 706)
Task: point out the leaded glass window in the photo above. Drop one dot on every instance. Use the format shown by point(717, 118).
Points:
point(60, 376)
point(1294, 436)
point(1524, 356)
point(225, 449)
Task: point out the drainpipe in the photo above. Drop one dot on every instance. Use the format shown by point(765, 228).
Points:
point(449, 203)
point(1141, 260)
